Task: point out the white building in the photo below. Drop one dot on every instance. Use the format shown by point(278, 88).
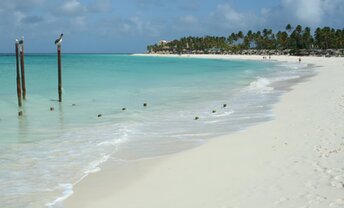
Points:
point(163, 42)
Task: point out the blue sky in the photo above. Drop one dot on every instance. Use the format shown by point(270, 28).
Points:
point(128, 26)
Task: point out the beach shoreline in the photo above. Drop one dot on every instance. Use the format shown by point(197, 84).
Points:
point(291, 161)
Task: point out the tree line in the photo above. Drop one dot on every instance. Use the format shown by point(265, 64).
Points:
point(291, 38)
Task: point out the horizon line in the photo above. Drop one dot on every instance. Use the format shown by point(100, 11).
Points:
point(33, 53)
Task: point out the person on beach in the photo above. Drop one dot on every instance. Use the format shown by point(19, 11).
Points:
point(299, 59)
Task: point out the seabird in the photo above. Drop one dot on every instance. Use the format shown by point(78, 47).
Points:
point(59, 40)
point(21, 42)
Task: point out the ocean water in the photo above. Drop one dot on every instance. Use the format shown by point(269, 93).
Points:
point(44, 153)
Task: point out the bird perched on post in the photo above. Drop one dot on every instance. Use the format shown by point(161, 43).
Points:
point(59, 40)
point(21, 43)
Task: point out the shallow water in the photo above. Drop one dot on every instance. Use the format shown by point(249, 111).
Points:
point(44, 153)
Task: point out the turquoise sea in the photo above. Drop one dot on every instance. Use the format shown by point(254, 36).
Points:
point(44, 153)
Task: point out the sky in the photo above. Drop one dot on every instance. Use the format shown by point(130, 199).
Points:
point(128, 26)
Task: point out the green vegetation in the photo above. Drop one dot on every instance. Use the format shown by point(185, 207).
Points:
point(292, 39)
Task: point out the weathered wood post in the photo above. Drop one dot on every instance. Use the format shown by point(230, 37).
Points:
point(59, 72)
point(18, 75)
point(23, 84)
point(58, 44)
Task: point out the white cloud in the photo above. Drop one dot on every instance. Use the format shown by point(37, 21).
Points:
point(230, 14)
point(72, 7)
point(226, 17)
point(127, 27)
point(100, 6)
point(306, 12)
point(149, 19)
point(80, 21)
point(18, 16)
point(189, 19)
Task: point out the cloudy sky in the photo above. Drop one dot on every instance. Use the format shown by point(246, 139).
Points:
point(129, 25)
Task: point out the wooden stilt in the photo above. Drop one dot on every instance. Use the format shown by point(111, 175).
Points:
point(19, 95)
point(23, 84)
point(59, 72)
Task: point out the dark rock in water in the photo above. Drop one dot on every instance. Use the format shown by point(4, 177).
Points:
point(196, 118)
point(224, 105)
point(214, 111)
point(51, 108)
point(73, 104)
point(99, 115)
point(144, 104)
point(123, 109)
point(20, 113)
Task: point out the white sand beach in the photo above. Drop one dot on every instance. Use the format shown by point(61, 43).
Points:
point(293, 161)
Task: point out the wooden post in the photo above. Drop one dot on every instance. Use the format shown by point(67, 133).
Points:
point(59, 72)
point(18, 77)
point(22, 68)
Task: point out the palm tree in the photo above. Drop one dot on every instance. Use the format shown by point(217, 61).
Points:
point(240, 35)
point(282, 40)
point(288, 28)
point(258, 40)
point(296, 38)
point(323, 38)
point(339, 38)
point(307, 39)
point(247, 40)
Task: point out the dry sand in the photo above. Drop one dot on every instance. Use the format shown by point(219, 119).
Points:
point(293, 161)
